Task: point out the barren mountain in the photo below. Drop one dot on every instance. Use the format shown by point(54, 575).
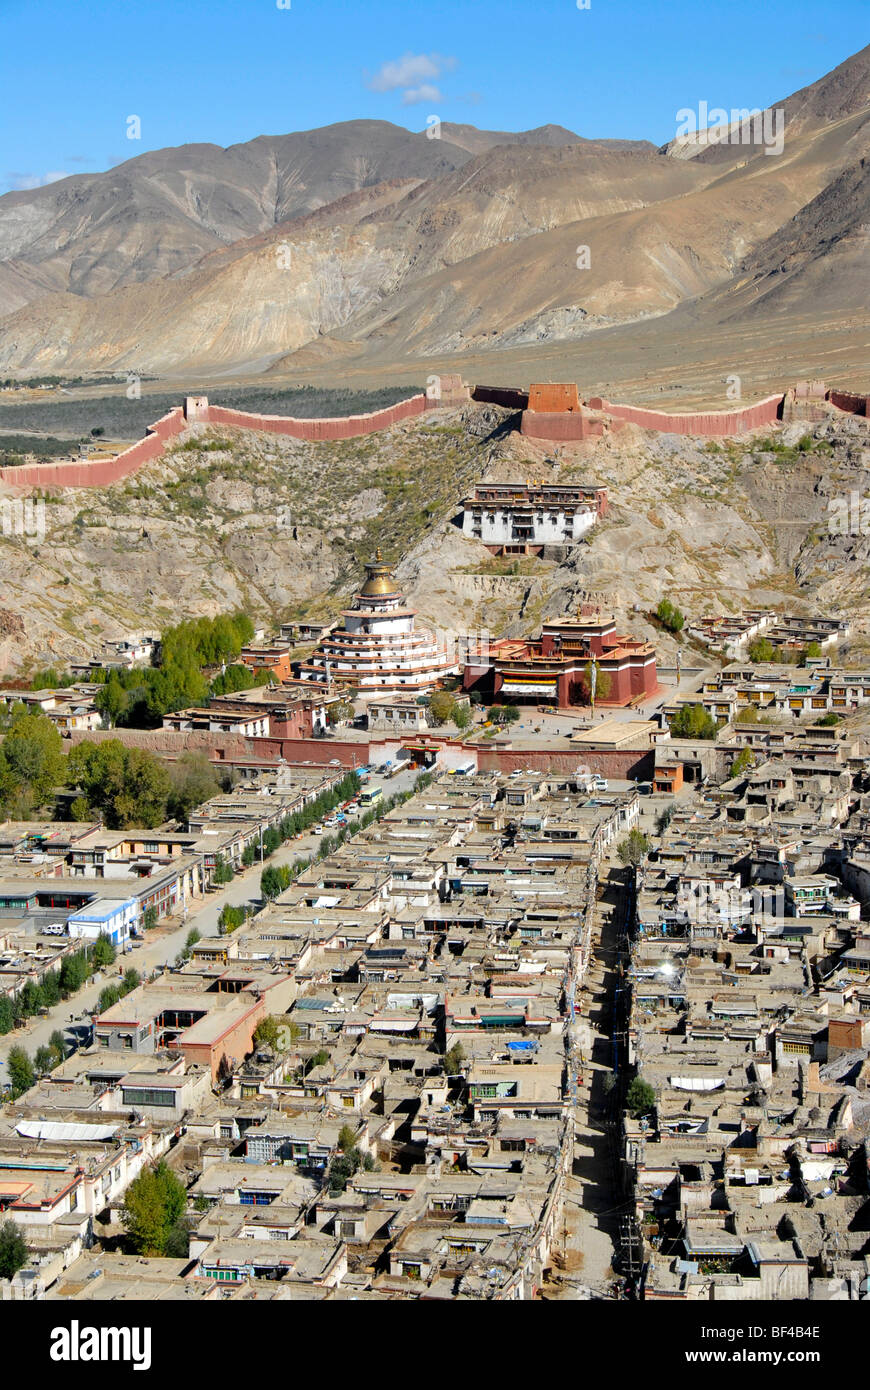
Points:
point(160, 212)
point(365, 244)
point(836, 96)
point(822, 255)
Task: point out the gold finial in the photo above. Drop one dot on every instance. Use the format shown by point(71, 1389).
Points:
point(378, 553)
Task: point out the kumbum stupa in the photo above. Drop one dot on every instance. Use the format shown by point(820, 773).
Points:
point(377, 648)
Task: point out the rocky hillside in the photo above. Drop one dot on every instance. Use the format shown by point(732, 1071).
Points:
point(281, 528)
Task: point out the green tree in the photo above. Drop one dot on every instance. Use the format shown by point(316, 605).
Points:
point(270, 883)
point(127, 786)
point(223, 871)
point(342, 1169)
point(761, 649)
point(693, 721)
point(154, 1207)
point(192, 937)
point(640, 1097)
point(193, 782)
point(30, 998)
point(74, 971)
point(669, 616)
point(743, 762)
point(236, 677)
point(21, 1072)
point(230, 919)
point(58, 1042)
point(131, 981)
point(462, 716)
point(31, 758)
point(503, 714)
point(7, 1015)
point(811, 652)
point(453, 1059)
point(45, 1059)
point(346, 1138)
point(266, 1032)
point(13, 1250)
point(108, 996)
point(149, 918)
point(51, 988)
point(103, 952)
point(177, 1243)
point(442, 706)
point(633, 849)
point(112, 701)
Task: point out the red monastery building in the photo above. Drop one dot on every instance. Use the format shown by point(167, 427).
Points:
point(552, 668)
point(378, 648)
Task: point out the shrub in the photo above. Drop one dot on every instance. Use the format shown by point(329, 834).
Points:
point(669, 616)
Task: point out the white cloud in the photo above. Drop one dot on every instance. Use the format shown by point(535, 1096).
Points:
point(425, 92)
point(22, 182)
point(412, 72)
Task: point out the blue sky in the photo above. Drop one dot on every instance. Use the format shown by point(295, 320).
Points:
point(224, 71)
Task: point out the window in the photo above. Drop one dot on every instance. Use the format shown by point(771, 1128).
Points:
point(143, 1095)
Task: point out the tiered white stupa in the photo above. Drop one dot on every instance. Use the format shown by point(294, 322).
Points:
point(378, 648)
